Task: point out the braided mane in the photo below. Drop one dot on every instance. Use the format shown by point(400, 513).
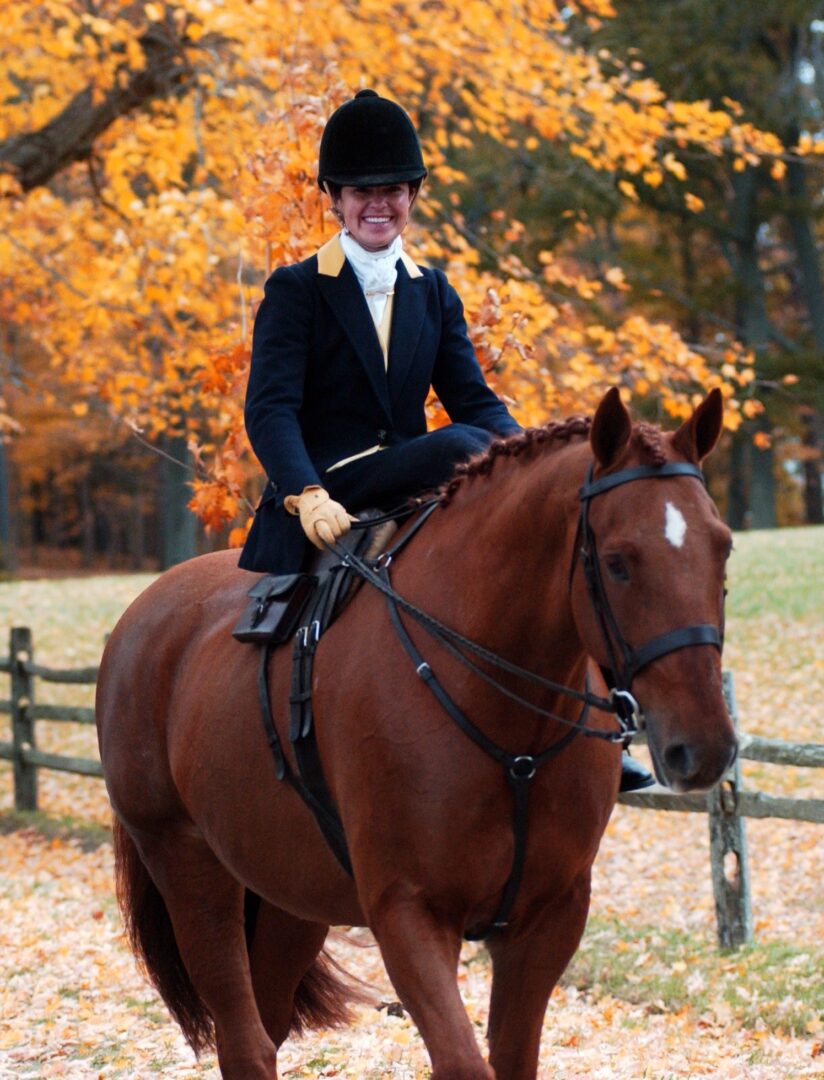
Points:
point(647, 438)
point(560, 432)
point(650, 441)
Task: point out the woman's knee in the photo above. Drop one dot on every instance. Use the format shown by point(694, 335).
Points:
point(461, 441)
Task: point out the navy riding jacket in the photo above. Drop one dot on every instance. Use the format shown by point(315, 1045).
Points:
point(319, 391)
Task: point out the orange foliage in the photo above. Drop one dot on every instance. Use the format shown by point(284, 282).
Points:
point(138, 270)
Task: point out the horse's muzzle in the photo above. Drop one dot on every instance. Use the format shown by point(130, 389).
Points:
point(691, 765)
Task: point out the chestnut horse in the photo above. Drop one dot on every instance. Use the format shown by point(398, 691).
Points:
point(202, 823)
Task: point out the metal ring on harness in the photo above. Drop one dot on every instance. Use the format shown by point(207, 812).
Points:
point(627, 709)
point(523, 767)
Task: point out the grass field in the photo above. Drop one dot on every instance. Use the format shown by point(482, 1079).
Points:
point(648, 993)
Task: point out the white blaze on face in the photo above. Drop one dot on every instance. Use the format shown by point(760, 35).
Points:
point(675, 528)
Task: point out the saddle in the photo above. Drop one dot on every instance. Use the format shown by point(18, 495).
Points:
point(278, 601)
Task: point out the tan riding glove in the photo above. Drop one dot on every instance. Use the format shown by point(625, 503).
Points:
point(321, 518)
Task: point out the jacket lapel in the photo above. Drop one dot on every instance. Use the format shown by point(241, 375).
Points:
point(339, 287)
point(408, 311)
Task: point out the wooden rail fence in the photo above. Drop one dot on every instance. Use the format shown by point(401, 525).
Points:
point(726, 805)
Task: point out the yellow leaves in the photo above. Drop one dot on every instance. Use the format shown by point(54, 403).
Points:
point(9, 186)
point(752, 407)
point(149, 303)
point(653, 178)
point(762, 440)
point(628, 189)
point(778, 169)
point(674, 166)
point(213, 503)
point(615, 276)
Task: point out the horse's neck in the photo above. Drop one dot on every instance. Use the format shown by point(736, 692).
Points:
point(495, 563)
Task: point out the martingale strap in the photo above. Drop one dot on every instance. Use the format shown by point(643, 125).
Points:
point(520, 769)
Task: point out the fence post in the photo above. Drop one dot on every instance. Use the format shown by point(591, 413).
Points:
point(728, 850)
point(22, 695)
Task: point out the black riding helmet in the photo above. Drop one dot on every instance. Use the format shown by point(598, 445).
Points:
point(369, 140)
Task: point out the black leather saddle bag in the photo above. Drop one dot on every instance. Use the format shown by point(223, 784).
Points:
point(273, 613)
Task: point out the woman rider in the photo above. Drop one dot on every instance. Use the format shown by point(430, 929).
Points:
point(346, 347)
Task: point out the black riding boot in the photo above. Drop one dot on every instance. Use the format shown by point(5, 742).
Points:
point(634, 776)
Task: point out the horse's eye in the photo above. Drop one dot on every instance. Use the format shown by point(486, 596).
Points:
point(616, 567)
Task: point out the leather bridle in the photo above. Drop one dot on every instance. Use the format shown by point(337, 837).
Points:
point(625, 661)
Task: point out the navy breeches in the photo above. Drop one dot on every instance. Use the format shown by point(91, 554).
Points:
point(388, 477)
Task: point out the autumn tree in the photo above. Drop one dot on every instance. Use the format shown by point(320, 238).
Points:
point(744, 253)
point(156, 160)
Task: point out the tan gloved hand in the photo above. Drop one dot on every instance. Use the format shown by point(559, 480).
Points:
point(321, 518)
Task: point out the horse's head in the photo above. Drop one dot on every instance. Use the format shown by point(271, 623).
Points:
point(648, 594)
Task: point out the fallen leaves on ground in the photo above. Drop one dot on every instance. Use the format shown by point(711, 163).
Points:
point(74, 1004)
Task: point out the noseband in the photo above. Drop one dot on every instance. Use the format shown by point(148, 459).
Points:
point(625, 661)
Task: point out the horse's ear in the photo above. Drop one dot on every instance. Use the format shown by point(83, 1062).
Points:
point(611, 428)
point(697, 436)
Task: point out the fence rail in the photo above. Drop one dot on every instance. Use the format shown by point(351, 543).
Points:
point(726, 805)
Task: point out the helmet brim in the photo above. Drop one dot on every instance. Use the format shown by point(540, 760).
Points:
point(400, 176)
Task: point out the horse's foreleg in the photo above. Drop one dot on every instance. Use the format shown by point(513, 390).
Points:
point(526, 965)
point(421, 957)
point(205, 905)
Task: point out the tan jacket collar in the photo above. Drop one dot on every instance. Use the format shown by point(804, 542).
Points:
point(331, 260)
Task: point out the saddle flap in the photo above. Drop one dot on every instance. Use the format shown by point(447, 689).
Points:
point(275, 607)
point(272, 586)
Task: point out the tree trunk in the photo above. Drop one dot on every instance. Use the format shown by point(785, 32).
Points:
point(738, 490)
point(753, 329)
point(812, 440)
point(8, 549)
point(87, 523)
point(137, 534)
point(177, 522)
point(809, 268)
point(762, 483)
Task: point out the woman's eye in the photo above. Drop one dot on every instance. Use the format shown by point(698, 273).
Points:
point(617, 568)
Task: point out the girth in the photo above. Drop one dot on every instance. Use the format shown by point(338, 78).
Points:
point(335, 580)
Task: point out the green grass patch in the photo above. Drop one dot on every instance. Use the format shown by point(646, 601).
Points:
point(777, 572)
point(87, 834)
point(769, 987)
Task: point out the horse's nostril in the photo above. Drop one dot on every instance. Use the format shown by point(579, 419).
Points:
point(679, 760)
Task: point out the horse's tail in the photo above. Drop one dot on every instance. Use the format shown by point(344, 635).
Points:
point(325, 996)
point(326, 992)
point(152, 938)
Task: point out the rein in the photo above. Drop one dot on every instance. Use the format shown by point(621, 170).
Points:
point(519, 769)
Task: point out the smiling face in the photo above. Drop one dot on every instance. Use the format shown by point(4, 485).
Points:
point(374, 216)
